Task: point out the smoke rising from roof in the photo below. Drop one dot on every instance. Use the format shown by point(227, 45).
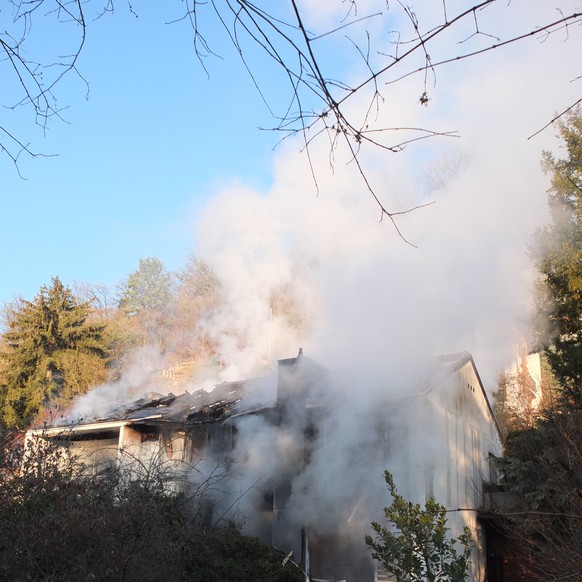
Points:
point(140, 375)
point(374, 309)
point(367, 296)
point(361, 294)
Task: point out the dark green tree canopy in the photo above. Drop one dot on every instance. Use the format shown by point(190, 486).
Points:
point(52, 353)
point(542, 471)
point(559, 260)
point(542, 465)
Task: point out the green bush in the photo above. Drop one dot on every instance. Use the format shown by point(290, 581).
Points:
point(415, 545)
point(58, 524)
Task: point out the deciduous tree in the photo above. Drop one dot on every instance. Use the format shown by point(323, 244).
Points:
point(59, 521)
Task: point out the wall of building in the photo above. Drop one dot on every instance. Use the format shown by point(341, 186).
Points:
point(461, 413)
point(436, 442)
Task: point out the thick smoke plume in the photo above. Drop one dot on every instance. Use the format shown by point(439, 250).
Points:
point(373, 308)
point(367, 296)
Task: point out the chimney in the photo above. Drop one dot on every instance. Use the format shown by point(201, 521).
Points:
point(299, 381)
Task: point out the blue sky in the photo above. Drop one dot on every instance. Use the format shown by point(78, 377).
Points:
point(160, 161)
point(134, 161)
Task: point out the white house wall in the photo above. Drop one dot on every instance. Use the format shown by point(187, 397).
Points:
point(470, 436)
point(440, 444)
point(436, 443)
point(96, 455)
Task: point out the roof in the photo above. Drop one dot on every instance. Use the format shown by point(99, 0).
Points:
point(449, 364)
point(298, 377)
point(201, 406)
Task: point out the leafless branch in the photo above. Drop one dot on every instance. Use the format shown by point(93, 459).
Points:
point(292, 46)
point(34, 81)
point(556, 117)
point(317, 101)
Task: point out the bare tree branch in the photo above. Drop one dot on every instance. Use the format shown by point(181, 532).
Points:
point(555, 118)
point(317, 101)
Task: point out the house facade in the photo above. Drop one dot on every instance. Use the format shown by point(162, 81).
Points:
point(305, 468)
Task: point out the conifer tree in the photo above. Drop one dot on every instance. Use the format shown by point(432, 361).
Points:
point(146, 299)
point(52, 352)
point(542, 468)
point(148, 289)
point(559, 258)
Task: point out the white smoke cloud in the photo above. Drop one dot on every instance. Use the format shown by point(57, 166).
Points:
point(376, 307)
point(367, 294)
point(141, 373)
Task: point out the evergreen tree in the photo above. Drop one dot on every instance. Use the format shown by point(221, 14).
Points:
point(148, 289)
point(559, 260)
point(51, 354)
point(542, 466)
point(542, 471)
point(146, 302)
point(416, 547)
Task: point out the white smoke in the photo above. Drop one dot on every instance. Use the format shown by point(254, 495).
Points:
point(141, 373)
point(374, 307)
point(367, 295)
point(377, 307)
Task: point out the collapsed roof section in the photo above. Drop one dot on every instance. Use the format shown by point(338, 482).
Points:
point(300, 381)
point(199, 406)
point(203, 406)
point(171, 410)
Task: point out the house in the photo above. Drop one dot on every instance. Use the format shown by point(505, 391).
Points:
point(305, 468)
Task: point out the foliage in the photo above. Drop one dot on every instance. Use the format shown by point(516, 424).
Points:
point(59, 522)
point(99, 297)
point(52, 353)
point(518, 399)
point(148, 289)
point(542, 472)
point(559, 260)
point(515, 400)
point(542, 468)
point(415, 546)
point(198, 280)
point(145, 304)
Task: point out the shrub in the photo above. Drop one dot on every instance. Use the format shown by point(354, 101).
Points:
point(58, 523)
point(415, 546)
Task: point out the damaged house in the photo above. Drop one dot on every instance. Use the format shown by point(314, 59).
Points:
point(304, 469)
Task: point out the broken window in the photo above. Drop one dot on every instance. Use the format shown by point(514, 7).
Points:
point(97, 452)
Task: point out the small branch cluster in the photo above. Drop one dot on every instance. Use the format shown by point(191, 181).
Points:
point(319, 104)
point(33, 82)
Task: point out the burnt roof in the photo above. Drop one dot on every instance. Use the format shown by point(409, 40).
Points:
point(200, 405)
point(187, 408)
